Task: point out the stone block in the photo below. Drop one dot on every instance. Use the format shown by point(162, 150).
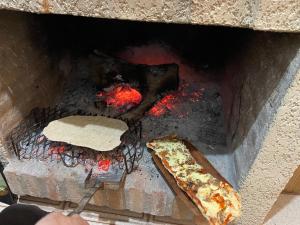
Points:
point(143, 191)
point(261, 15)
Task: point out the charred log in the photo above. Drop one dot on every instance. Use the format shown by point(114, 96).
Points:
point(151, 80)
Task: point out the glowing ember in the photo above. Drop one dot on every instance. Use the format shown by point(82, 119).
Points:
point(190, 78)
point(56, 150)
point(121, 96)
point(165, 104)
point(104, 164)
point(171, 102)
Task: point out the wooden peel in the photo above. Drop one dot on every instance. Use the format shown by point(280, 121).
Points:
point(200, 159)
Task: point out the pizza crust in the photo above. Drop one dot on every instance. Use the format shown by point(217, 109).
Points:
point(96, 132)
point(217, 200)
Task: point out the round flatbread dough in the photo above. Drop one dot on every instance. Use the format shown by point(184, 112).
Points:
point(96, 132)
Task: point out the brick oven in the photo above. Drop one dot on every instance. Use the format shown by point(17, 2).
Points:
point(231, 89)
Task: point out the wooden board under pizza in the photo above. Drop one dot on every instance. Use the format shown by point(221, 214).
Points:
point(218, 202)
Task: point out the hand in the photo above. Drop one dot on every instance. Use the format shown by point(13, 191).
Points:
point(56, 218)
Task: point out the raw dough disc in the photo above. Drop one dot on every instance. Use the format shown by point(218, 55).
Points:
point(96, 132)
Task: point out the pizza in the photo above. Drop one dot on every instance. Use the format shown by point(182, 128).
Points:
point(217, 200)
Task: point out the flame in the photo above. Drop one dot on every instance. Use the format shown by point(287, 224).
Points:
point(120, 96)
point(104, 164)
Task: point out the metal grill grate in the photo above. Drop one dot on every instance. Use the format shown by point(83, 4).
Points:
point(28, 142)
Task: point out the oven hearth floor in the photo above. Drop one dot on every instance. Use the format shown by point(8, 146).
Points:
point(195, 115)
point(200, 120)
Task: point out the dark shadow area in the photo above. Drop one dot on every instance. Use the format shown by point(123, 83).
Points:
point(200, 45)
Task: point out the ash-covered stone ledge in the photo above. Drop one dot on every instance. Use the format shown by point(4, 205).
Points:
point(259, 15)
point(144, 190)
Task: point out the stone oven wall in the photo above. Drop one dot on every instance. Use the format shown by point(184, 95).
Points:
point(27, 77)
point(251, 81)
point(260, 96)
point(260, 15)
point(263, 120)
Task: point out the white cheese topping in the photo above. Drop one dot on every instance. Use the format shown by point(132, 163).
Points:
point(220, 203)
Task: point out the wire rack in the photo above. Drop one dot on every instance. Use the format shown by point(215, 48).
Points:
point(28, 142)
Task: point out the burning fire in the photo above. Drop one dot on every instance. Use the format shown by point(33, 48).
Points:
point(169, 103)
point(161, 107)
point(189, 91)
point(121, 96)
point(104, 164)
